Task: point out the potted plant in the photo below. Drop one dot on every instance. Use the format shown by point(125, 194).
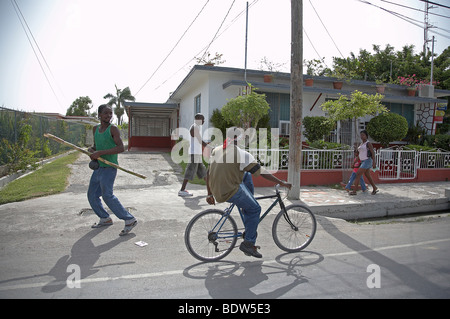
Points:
point(380, 86)
point(208, 61)
point(314, 67)
point(339, 81)
point(268, 78)
point(410, 82)
point(271, 67)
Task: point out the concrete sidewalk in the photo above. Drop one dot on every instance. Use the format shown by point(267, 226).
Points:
point(157, 195)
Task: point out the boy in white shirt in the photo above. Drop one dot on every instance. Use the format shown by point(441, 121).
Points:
point(195, 165)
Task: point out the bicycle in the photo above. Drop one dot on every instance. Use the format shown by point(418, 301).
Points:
point(212, 234)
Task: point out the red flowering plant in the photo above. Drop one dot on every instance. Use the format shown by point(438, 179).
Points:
point(412, 82)
point(409, 80)
point(427, 82)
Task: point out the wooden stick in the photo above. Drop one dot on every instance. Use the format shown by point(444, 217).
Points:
point(61, 141)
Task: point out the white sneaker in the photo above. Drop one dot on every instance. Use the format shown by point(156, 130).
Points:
point(184, 194)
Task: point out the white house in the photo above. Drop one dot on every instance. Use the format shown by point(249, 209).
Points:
point(207, 88)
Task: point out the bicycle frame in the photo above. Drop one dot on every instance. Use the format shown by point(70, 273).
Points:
point(228, 211)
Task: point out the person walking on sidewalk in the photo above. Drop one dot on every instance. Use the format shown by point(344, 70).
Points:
point(229, 179)
point(195, 165)
point(107, 145)
point(355, 166)
point(366, 153)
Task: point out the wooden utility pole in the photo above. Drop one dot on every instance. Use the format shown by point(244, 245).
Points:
point(295, 136)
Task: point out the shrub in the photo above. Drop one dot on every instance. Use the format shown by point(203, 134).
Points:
point(219, 122)
point(316, 127)
point(387, 127)
point(441, 141)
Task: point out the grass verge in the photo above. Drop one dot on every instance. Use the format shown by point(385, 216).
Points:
point(52, 178)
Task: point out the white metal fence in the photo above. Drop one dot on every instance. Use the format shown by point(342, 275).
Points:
point(392, 163)
point(397, 164)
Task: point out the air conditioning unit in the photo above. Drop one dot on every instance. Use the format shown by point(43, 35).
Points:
point(426, 91)
point(284, 128)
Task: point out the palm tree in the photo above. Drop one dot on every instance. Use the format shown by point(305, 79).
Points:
point(118, 100)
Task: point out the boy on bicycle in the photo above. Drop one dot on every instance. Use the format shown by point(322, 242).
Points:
point(229, 179)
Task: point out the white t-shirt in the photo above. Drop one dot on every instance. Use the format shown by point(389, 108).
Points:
point(195, 146)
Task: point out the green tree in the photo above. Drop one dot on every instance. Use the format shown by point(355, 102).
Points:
point(358, 105)
point(118, 100)
point(246, 110)
point(386, 65)
point(80, 107)
point(387, 127)
point(219, 122)
point(316, 127)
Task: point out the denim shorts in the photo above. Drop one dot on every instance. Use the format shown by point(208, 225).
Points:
point(366, 164)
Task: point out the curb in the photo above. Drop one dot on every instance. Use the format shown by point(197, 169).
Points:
point(382, 210)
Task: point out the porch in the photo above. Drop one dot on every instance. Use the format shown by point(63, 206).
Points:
point(150, 125)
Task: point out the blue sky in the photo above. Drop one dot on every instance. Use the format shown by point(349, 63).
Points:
point(91, 45)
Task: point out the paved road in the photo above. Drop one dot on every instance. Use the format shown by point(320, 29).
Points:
point(45, 242)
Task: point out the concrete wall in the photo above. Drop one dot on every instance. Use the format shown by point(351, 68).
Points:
point(331, 177)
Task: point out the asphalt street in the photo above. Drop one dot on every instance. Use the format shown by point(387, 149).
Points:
point(48, 250)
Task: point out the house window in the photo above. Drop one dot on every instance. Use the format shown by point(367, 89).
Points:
point(284, 128)
point(362, 126)
point(405, 110)
point(197, 104)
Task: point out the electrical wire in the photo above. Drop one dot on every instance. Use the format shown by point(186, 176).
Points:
point(326, 29)
point(25, 27)
point(176, 44)
point(205, 48)
point(435, 3)
point(415, 9)
point(215, 35)
point(309, 39)
point(407, 19)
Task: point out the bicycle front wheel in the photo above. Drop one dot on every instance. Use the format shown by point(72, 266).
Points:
point(294, 229)
point(210, 235)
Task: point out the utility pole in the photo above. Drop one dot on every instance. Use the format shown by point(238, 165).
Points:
point(295, 134)
point(246, 41)
point(426, 26)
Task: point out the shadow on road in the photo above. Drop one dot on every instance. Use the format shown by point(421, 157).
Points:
point(404, 273)
point(231, 280)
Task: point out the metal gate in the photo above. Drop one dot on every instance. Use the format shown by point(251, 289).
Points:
point(397, 164)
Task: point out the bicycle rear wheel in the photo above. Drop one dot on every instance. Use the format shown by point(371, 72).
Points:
point(210, 236)
point(294, 229)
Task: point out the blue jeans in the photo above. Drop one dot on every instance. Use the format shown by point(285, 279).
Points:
point(101, 184)
point(352, 179)
point(250, 208)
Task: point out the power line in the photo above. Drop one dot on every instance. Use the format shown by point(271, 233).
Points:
point(202, 50)
point(215, 36)
point(415, 9)
point(25, 27)
point(435, 3)
point(176, 44)
point(309, 39)
point(326, 30)
point(407, 19)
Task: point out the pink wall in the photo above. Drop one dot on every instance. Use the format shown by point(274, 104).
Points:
point(329, 177)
